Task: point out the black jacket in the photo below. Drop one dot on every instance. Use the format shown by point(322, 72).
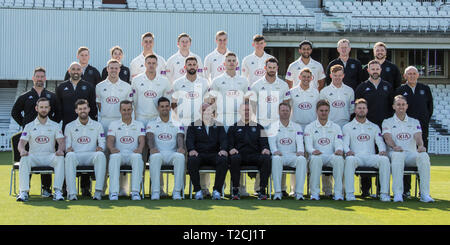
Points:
point(247, 139)
point(27, 103)
point(389, 73)
point(91, 75)
point(352, 70)
point(420, 103)
point(197, 138)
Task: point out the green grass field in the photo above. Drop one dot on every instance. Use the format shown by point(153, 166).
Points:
point(247, 211)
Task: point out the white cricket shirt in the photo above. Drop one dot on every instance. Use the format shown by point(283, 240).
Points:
point(85, 138)
point(165, 134)
point(362, 137)
point(109, 95)
point(127, 136)
point(293, 72)
point(402, 132)
point(327, 138)
point(41, 137)
point(253, 67)
point(341, 102)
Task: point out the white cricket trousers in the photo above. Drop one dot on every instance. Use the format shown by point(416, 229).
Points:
point(125, 158)
point(41, 160)
point(176, 159)
point(410, 159)
point(291, 160)
point(74, 159)
point(367, 160)
point(331, 160)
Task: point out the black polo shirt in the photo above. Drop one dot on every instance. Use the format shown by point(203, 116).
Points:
point(26, 103)
point(91, 75)
point(352, 70)
point(420, 102)
point(124, 74)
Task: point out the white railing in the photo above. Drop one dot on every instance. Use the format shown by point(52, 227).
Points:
point(5, 139)
point(439, 144)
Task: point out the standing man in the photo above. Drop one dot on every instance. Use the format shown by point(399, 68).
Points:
point(352, 67)
point(165, 138)
point(286, 145)
point(403, 135)
point(379, 94)
point(340, 96)
point(26, 103)
point(305, 60)
point(137, 65)
point(247, 143)
point(215, 61)
point(253, 64)
point(125, 141)
point(89, 73)
point(323, 142)
point(117, 54)
point(41, 134)
point(85, 143)
point(206, 143)
point(360, 137)
point(67, 93)
point(175, 64)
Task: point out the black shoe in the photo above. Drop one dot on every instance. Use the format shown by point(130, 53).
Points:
point(86, 192)
point(262, 196)
point(235, 195)
point(285, 194)
point(406, 195)
point(365, 194)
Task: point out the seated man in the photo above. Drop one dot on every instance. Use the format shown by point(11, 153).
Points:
point(165, 139)
point(323, 142)
point(206, 142)
point(125, 141)
point(286, 145)
point(41, 134)
point(85, 143)
point(360, 136)
point(403, 135)
point(248, 144)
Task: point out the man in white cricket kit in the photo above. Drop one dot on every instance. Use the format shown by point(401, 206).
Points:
point(360, 137)
point(323, 142)
point(305, 60)
point(175, 64)
point(125, 141)
point(253, 64)
point(340, 96)
point(137, 65)
point(85, 143)
point(165, 139)
point(286, 145)
point(41, 135)
point(403, 135)
point(189, 94)
point(215, 61)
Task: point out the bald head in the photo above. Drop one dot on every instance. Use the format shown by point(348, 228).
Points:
point(75, 71)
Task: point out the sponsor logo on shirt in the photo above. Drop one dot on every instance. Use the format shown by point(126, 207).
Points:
point(363, 137)
point(338, 104)
point(403, 136)
point(233, 93)
point(192, 95)
point(83, 140)
point(323, 141)
point(305, 106)
point(42, 139)
point(182, 71)
point(126, 140)
point(286, 141)
point(260, 72)
point(165, 136)
point(221, 68)
point(150, 94)
point(271, 99)
point(112, 100)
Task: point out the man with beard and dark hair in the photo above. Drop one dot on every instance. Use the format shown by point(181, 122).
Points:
point(67, 93)
point(379, 95)
point(26, 103)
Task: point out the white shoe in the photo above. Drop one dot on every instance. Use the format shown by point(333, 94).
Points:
point(113, 197)
point(72, 197)
point(58, 196)
point(123, 193)
point(350, 197)
point(315, 197)
point(135, 196)
point(22, 197)
point(338, 198)
point(176, 195)
point(198, 195)
point(216, 195)
point(277, 196)
point(398, 198)
point(426, 198)
point(155, 196)
point(385, 198)
point(97, 195)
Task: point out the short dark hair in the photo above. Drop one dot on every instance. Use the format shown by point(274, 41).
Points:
point(272, 60)
point(230, 54)
point(322, 102)
point(190, 58)
point(285, 104)
point(147, 34)
point(125, 102)
point(336, 68)
point(163, 99)
point(258, 37)
point(42, 99)
point(373, 62)
point(400, 97)
point(39, 69)
point(151, 56)
point(184, 35)
point(81, 102)
point(305, 42)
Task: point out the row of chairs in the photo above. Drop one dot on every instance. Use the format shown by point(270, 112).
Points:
point(166, 169)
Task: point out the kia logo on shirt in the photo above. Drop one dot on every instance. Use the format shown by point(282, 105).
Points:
point(260, 72)
point(165, 136)
point(363, 137)
point(112, 100)
point(286, 141)
point(338, 104)
point(192, 95)
point(403, 136)
point(150, 94)
point(42, 139)
point(271, 99)
point(83, 140)
point(233, 93)
point(305, 106)
point(323, 141)
point(182, 71)
point(221, 68)
point(126, 140)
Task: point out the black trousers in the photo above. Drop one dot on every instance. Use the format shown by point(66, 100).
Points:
point(264, 163)
point(209, 159)
point(46, 181)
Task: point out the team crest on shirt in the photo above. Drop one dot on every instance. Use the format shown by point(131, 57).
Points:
point(150, 94)
point(48, 96)
point(84, 140)
point(91, 72)
point(253, 129)
point(83, 87)
point(352, 66)
point(388, 69)
point(323, 141)
point(363, 137)
point(42, 139)
point(385, 88)
point(112, 100)
point(286, 141)
point(125, 72)
point(164, 136)
point(403, 136)
point(126, 140)
point(305, 106)
point(338, 104)
point(422, 92)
